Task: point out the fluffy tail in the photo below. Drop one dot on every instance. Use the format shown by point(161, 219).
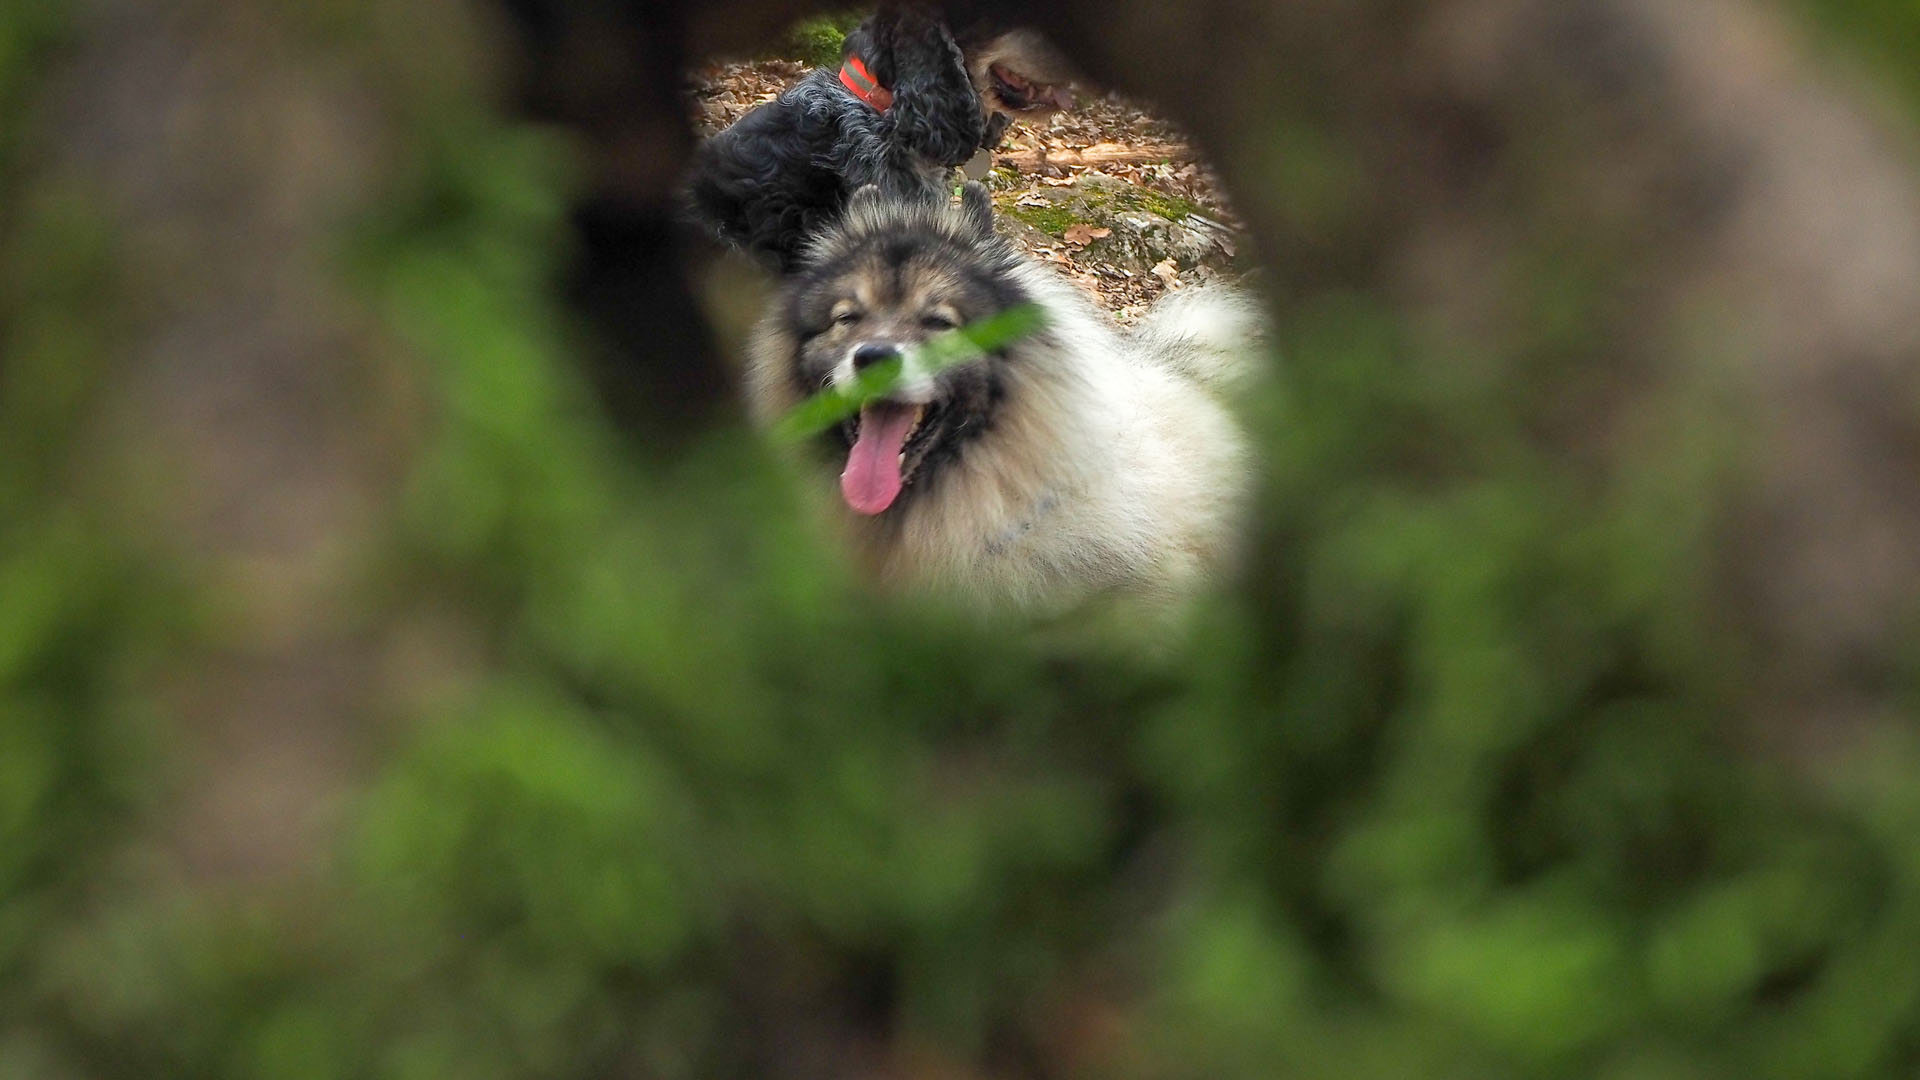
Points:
point(1212, 334)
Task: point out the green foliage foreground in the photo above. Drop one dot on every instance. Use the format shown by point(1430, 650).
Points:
point(817, 42)
point(1441, 787)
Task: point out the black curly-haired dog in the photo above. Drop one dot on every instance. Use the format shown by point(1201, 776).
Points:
point(908, 104)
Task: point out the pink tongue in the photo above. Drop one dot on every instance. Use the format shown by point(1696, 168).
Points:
point(872, 478)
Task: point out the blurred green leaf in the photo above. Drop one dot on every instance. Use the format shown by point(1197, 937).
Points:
point(929, 358)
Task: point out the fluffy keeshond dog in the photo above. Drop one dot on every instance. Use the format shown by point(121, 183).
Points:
point(1078, 462)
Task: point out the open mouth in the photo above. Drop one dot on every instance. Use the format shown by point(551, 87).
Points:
point(884, 436)
point(1017, 93)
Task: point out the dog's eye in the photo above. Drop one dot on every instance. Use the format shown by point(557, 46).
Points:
point(846, 318)
point(933, 320)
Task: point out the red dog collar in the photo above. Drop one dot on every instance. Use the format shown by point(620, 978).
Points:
point(856, 78)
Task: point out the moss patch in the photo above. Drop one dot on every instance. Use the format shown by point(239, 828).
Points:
point(1115, 198)
point(1052, 220)
point(1002, 178)
point(1096, 203)
point(1171, 207)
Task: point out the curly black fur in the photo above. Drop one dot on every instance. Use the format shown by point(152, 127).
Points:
point(785, 169)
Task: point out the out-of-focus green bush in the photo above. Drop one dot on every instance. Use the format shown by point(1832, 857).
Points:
point(1885, 32)
point(817, 41)
point(1443, 787)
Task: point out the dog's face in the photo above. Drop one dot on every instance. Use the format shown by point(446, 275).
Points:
point(1017, 73)
point(892, 278)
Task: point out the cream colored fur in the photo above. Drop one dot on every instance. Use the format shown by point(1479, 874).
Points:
point(1111, 470)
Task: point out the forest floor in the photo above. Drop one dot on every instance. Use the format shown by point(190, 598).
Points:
point(1114, 196)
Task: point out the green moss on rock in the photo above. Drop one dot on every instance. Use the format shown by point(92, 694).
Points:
point(1052, 220)
point(1171, 207)
point(1116, 197)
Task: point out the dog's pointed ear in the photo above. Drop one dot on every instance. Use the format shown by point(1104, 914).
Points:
point(864, 199)
point(978, 206)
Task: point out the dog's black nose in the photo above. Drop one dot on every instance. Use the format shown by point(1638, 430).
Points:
point(868, 355)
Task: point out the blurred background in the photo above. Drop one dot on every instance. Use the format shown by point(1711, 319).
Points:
point(411, 666)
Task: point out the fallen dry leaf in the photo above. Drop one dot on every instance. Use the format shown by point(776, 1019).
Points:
point(1082, 234)
point(1168, 271)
